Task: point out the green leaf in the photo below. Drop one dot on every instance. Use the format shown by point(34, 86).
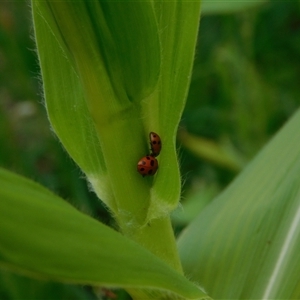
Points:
point(245, 244)
point(126, 43)
point(44, 236)
point(164, 109)
point(66, 105)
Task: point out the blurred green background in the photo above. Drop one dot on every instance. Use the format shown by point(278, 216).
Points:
point(245, 85)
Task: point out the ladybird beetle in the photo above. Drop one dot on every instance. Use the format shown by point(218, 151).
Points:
point(147, 165)
point(155, 143)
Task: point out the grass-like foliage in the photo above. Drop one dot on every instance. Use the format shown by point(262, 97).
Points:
point(113, 71)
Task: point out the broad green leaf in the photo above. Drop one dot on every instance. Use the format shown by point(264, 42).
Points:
point(42, 235)
point(246, 243)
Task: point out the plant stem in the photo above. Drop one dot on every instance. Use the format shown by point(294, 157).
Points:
point(158, 237)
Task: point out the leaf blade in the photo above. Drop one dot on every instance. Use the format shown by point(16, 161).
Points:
point(244, 230)
point(42, 235)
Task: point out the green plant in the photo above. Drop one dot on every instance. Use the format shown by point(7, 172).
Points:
point(109, 79)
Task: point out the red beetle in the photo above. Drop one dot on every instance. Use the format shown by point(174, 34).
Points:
point(155, 143)
point(147, 165)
